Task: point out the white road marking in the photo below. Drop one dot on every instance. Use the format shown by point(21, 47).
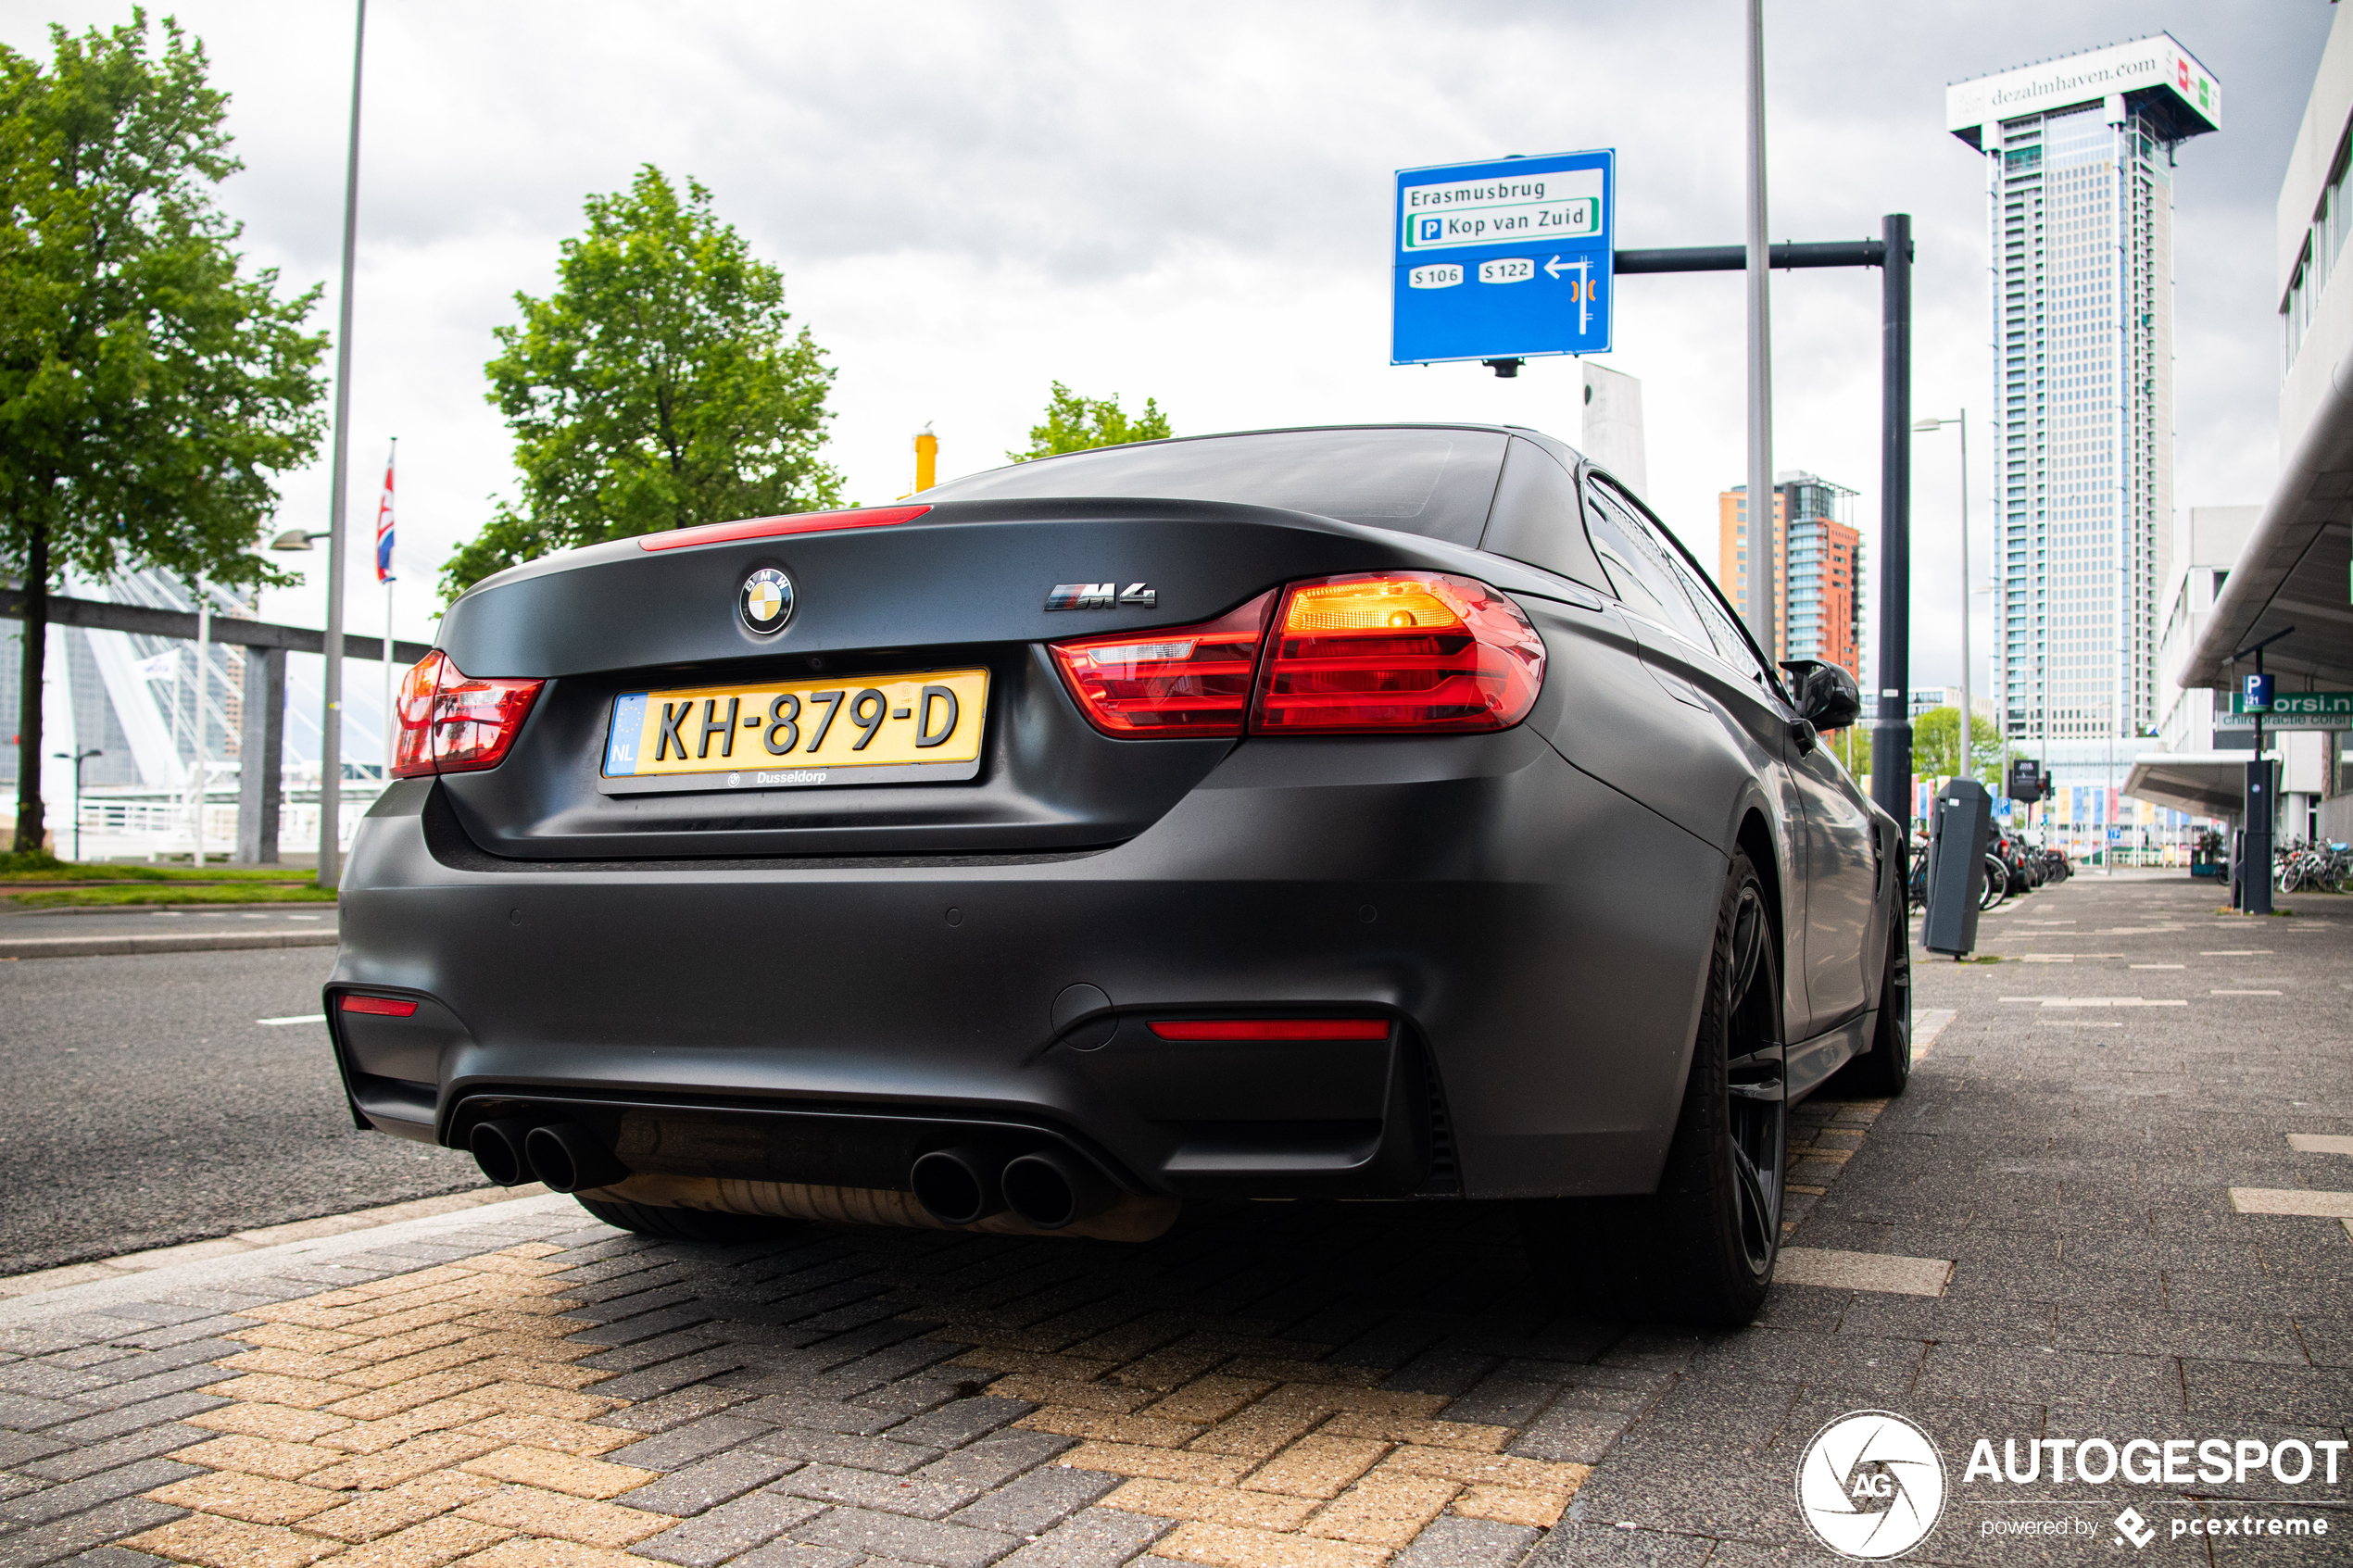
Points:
point(2104, 1001)
point(2315, 1142)
point(1884, 1272)
point(2077, 1022)
point(2217, 953)
point(1957, 732)
point(321, 1017)
point(2291, 1201)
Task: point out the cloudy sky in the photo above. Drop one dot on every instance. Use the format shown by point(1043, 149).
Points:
point(1190, 201)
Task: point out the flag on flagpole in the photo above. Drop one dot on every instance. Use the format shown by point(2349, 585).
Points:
point(384, 527)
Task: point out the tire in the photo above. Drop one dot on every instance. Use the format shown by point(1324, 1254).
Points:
point(1998, 883)
point(1699, 1250)
point(688, 1225)
point(1883, 1070)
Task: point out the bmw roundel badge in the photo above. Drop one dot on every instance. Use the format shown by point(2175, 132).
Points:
point(766, 600)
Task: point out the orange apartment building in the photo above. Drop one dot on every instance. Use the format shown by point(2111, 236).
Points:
point(1812, 602)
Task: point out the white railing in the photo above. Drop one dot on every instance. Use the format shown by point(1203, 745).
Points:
point(151, 825)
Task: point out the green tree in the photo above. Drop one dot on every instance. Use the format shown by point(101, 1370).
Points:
point(1936, 746)
point(657, 387)
point(1075, 423)
point(149, 390)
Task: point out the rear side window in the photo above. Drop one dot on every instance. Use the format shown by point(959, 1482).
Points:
point(1642, 570)
point(1537, 519)
point(1438, 483)
point(1721, 628)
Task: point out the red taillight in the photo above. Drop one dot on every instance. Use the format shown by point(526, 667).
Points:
point(388, 1007)
point(476, 721)
point(1384, 651)
point(1272, 1029)
point(412, 747)
point(451, 722)
point(1172, 681)
point(774, 527)
point(1372, 653)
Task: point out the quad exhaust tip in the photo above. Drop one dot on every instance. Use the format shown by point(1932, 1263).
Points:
point(959, 1186)
point(1047, 1189)
point(567, 1157)
point(562, 1156)
point(1051, 1189)
point(497, 1149)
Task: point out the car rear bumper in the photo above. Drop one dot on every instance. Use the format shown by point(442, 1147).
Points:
point(1534, 940)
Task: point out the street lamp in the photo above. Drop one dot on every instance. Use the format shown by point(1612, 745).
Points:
point(77, 761)
point(296, 539)
point(1966, 769)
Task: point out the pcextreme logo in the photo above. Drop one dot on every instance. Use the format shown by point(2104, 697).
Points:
point(1871, 1486)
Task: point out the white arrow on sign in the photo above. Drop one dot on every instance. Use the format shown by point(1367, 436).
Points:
point(1556, 266)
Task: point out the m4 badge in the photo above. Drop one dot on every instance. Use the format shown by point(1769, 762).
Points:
point(1102, 596)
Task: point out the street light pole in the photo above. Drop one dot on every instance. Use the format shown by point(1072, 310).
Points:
point(1763, 580)
point(331, 719)
point(1963, 766)
point(77, 761)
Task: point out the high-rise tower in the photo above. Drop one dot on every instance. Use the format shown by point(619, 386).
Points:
point(2079, 157)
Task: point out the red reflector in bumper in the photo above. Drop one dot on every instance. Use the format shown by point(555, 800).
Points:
point(776, 527)
point(389, 1007)
point(1272, 1029)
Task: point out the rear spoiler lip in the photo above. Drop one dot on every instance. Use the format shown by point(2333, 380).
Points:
point(1052, 508)
point(778, 527)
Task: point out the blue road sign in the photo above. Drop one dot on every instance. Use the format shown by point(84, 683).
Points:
point(1505, 259)
point(2258, 693)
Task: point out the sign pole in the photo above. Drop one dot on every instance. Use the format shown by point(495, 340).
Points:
point(1892, 730)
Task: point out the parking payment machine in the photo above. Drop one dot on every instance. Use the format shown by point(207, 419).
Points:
point(1956, 839)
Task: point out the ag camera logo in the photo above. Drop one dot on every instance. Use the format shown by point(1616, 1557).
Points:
point(1871, 1486)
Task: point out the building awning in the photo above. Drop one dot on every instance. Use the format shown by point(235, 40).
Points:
point(2293, 571)
point(2204, 784)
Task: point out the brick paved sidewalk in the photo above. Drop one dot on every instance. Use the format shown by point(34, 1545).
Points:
point(2052, 1233)
point(1270, 1385)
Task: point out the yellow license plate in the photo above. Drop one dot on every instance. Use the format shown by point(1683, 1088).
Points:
point(796, 735)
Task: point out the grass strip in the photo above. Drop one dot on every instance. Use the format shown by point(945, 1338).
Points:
point(58, 897)
point(43, 869)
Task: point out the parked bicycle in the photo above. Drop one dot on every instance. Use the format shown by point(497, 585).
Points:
point(2316, 867)
point(1994, 890)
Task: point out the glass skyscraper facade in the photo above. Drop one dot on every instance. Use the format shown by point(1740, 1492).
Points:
point(2079, 157)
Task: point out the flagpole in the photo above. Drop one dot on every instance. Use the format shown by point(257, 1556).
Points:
point(391, 721)
point(386, 515)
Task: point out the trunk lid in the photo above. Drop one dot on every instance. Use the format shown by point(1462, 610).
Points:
point(963, 587)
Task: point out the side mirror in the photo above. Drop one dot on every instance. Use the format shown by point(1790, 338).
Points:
point(1828, 697)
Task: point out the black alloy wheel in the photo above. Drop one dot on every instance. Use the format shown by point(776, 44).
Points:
point(1700, 1248)
point(1755, 1081)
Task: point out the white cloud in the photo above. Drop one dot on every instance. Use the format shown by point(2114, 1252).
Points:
point(1190, 202)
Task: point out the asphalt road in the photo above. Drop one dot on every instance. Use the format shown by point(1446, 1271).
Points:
point(146, 1107)
point(103, 922)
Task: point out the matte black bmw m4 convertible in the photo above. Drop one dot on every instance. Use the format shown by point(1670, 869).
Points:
point(1373, 813)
